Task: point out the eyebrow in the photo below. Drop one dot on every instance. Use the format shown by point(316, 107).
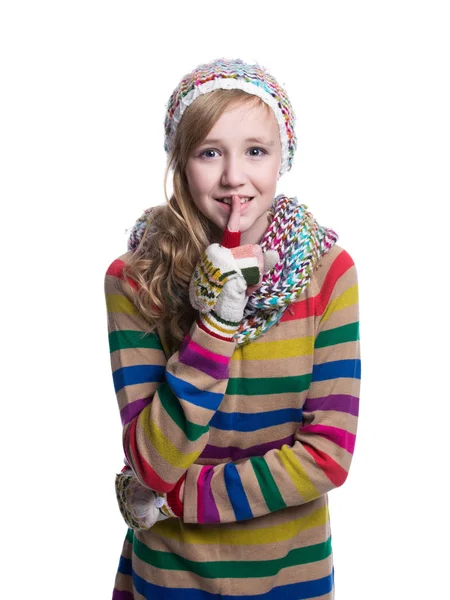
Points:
point(252, 139)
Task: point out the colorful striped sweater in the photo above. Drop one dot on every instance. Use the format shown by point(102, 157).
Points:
point(262, 431)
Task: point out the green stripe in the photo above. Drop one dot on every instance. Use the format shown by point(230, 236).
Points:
point(269, 488)
point(234, 569)
point(128, 338)
point(251, 275)
point(173, 408)
point(261, 386)
point(338, 335)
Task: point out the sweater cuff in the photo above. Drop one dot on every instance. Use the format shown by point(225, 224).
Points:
point(217, 327)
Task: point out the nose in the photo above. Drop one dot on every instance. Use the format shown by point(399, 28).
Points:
point(233, 173)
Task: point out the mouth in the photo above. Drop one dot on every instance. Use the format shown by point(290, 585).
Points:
point(227, 201)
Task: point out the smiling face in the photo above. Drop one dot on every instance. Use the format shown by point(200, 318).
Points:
point(240, 155)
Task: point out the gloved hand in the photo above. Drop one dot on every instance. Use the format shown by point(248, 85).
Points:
point(226, 275)
point(140, 506)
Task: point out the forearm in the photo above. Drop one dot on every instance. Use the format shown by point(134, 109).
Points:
point(169, 434)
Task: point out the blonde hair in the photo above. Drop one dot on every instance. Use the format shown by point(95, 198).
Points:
point(177, 233)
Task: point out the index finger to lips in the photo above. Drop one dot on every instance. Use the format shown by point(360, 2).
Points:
point(234, 220)
point(231, 236)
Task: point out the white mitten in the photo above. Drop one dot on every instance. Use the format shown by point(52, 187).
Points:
point(222, 281)
point(140, 506)
point(217, 276)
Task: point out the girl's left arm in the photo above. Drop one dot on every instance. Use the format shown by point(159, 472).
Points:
point(320, 457)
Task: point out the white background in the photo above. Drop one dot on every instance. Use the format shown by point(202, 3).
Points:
point(83, 92)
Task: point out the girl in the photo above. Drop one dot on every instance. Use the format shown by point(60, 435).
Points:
point(234, 336)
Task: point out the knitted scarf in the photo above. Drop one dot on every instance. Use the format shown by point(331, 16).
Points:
point(300, 242)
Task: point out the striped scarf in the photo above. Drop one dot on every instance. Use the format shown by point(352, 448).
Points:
point(300, 242)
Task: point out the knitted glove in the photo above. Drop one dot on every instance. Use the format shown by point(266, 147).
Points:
point(141, 507)
point(218, 286)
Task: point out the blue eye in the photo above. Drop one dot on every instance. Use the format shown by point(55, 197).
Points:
point(204, 152)
point(260, 149)
point(202, 155)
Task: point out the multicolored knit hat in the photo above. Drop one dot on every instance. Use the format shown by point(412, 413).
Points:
point(234, 74)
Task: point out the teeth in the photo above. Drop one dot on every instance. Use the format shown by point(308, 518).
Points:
point(228, 200)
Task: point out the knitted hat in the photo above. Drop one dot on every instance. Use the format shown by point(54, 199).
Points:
point(234, 74)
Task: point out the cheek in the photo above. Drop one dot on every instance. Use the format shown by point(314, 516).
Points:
point(269, 177)
point(200, 179)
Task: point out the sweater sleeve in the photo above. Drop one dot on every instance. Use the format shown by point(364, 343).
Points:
point(165, 404)
point(320, 456)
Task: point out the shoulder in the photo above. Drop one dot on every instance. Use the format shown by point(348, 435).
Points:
point(116, 266)
point(336, 255)
point(114, 271)
point(335, 269)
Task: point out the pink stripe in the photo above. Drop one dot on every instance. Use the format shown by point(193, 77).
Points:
point(213, 356)
point(338, 436)
point(201, 495)
point(243, 251)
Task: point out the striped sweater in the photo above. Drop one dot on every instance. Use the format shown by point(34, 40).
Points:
point(262, 431)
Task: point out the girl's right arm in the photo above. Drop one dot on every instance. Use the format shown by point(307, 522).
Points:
point(165, 405)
